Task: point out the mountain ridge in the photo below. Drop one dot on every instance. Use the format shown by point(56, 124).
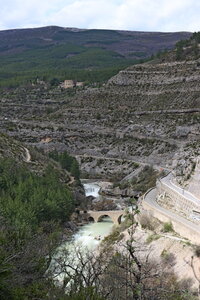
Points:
point(50, 31)
point(84, 55)
point(147, 113)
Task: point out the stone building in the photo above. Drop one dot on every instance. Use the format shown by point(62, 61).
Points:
point(68, 84)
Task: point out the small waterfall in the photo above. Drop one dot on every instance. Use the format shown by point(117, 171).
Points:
point(91, 189)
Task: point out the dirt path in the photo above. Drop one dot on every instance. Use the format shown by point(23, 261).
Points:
point(27, 157)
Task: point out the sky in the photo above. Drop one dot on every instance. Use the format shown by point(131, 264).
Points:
point(142, 15)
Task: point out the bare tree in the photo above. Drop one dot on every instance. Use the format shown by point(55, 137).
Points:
point(76, 268)
point(128, 274)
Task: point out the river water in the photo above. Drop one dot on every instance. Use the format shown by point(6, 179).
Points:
point(90, 235)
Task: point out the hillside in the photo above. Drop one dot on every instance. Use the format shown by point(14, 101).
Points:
point(31, 159)
point(37, 198)
point(84, 55)
point(144, 119)
point(147, 113)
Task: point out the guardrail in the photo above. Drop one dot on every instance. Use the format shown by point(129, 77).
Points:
point(147, 192)
point(182, 226)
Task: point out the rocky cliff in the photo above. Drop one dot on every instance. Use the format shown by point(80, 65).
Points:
point(147, 113)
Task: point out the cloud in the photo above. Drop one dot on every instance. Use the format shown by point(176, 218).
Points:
point(86, 14)
point(154, 15)
point(20, 13)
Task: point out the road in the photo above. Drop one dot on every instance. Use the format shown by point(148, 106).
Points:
point(168, 181)
point(27, 155)
point(150, 198)
point(131, 160)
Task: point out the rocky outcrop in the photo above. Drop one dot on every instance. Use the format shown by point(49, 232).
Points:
point(146, 113)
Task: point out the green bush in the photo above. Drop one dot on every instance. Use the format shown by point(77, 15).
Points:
point(67, 162)
point(167, 227)
point(85, 293)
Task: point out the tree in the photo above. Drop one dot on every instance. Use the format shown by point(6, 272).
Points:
point(75, 169)
point(54, 81)
point(67, 162)
point(120, 275)
point(32, 211)
point(179, 52)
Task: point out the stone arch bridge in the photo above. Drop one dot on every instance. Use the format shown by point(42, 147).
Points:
point(115, 215)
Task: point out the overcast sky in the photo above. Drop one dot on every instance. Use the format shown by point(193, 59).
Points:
point(144, 15)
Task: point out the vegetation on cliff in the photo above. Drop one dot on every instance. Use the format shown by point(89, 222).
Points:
point(188, 48)
point(35, 203)
point(185, 50)
point(32, 209)
point(67, 162)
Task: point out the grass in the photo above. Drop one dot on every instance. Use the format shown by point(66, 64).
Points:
point(152, 237)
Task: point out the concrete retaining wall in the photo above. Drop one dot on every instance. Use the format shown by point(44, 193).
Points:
point(180, 202)
point(183, 228)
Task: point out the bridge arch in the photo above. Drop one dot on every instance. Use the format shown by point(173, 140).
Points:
point(115, 215)
point(103, 216)
point(91, 219)
point(120, 219)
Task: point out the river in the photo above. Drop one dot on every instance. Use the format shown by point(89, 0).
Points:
point(87, 237)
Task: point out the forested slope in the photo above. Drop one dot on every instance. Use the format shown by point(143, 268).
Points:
point(85, 55)
point(35, 202)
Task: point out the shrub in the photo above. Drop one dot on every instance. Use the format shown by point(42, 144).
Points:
point(152, 237)
point(168, 258)
point(147, 222)
point(167, 227)
point(85, 293)
point(115, 236)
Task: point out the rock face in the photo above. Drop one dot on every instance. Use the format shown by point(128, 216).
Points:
point(166, 82)
point(147, 113)
point(182, 131)
point(111, 168)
